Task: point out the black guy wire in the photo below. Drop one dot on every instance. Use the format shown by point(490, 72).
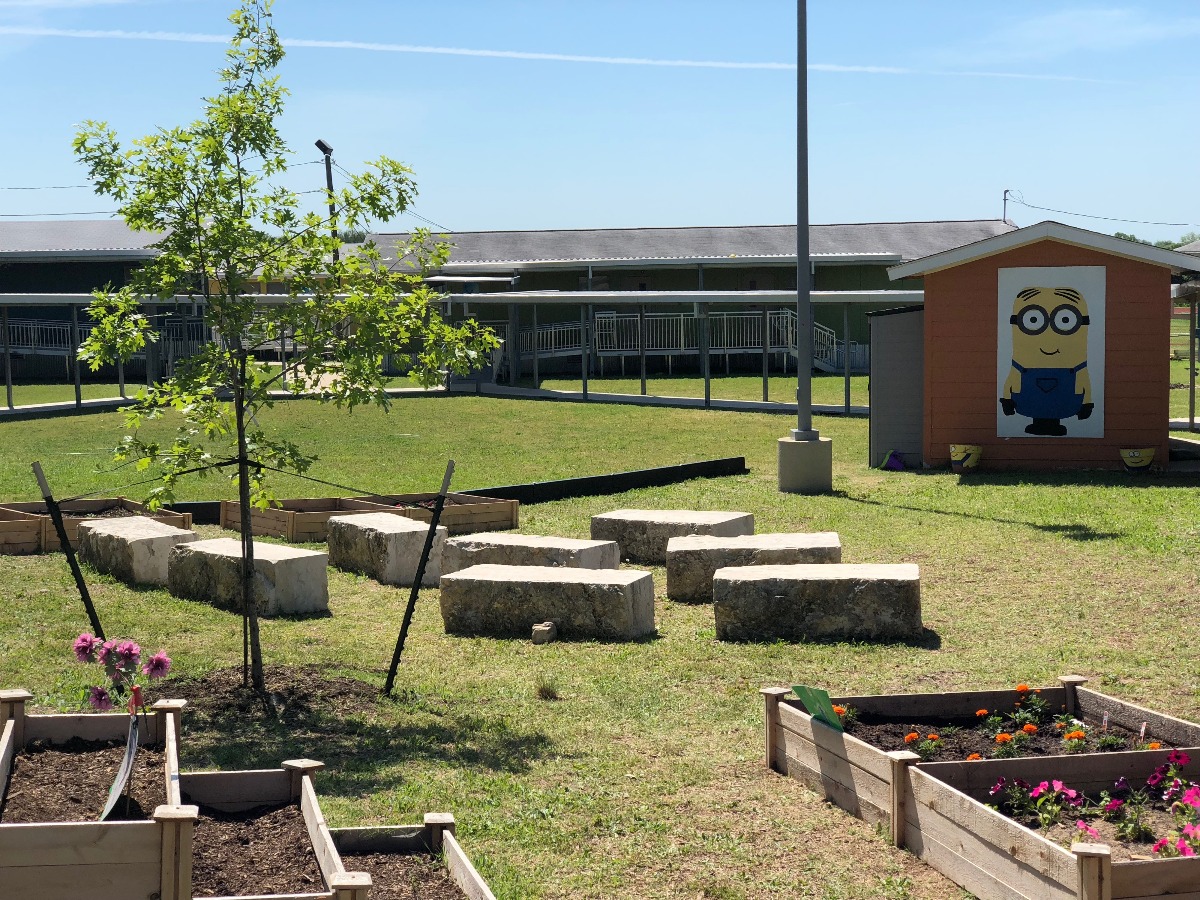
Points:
point(1067, 212)
point(219, 465)
point(345, 487)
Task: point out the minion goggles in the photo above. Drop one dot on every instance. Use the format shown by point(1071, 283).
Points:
point(1064, 320)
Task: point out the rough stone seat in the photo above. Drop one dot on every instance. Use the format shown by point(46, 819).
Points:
point(528, 550)
point(833, 601)
point(605, 604)
point(692, 560)
point(386, 547)
point(643, 533)
point(133, 549)
point(288, 580)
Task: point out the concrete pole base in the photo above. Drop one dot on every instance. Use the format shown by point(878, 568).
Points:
point(805, 467)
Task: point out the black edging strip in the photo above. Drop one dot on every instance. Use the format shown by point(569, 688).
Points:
point(208, 512)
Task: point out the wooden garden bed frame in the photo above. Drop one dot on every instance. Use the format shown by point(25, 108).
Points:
point(104, 860)
point(304, 521)
point(21, 533)
point(935, 809)
point(36, 510)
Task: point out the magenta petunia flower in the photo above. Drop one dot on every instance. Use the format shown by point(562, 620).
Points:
point(1159, 845)
point(1087, 829)
point(1155, 778)
point(1191, 830)
point(1184, 848)
point(85, 647)
point(99, 698)
point(1056, 784)
point(1113, 805)
point(1192, 796)
point(105, 653)
point(157, 665)
point(1121, 784)
point(1178, 758)
point(128, 654)
point(998, 786)
point(1040, 789)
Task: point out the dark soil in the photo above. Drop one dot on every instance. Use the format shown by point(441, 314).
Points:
point(1068, 833)
point(404, 876)
point(261, 851)
point(962, 738)
point(70, 783)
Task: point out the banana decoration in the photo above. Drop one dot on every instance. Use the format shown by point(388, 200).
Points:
point(1048, 380)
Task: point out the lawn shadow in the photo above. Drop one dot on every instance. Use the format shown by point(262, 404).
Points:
point(361, 736)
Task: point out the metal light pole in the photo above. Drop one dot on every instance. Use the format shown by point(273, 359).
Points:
point(328, 152)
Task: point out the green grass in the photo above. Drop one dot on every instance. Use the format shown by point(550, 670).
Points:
point(826, 389)
point(644, 778)
point(29, 394)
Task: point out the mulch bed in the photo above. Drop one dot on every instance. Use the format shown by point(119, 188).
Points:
point(70, 783)
point(962, 738)
point(260, 851)
point(404, 876)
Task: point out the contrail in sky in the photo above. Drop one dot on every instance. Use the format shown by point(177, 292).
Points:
point(199, 38)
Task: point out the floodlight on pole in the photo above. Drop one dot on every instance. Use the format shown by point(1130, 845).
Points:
point(327, 151)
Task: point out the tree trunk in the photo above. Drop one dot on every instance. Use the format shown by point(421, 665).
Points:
point(249, 603)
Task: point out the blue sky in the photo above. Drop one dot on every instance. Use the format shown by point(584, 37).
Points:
point(561, 114)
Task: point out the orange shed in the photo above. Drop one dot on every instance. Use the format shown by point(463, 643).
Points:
point(1048, 347)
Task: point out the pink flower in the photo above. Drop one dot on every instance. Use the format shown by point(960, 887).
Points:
point(105, 652)
point(1184, 848)
point(157, 665)
point(85, 647)
point(1087, 829)
point(1178, 758)
point(1057, 785)
point(1040, 789)
point(1113, 805)
point(1192, 796)
point(1159, 845)
point(128, 654)
point(1192, 831)
point(99, 699)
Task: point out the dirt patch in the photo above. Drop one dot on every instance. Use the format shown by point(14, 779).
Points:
point(404, 876)
point(297, 693)
point(70, 783)
point(261, 851)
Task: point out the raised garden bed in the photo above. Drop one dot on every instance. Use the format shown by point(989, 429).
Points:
point(112, 859)
point(76, 511)
point(301, 521)
point(21, 533)
point(977, 847)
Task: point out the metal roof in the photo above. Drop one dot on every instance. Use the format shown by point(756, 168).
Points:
point(1193, 247)
point(747, 245)
point(74, 239)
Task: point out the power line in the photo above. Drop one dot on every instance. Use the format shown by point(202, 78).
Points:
point(1067, 212)
point(98, 212)
point(47, 187)
point(337, 166)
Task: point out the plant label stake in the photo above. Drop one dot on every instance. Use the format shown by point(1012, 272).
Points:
point(818, 704)
point(131, 747)
point(61, 529)
point(438, 503)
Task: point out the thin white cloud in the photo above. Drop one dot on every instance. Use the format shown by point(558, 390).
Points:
point(59, 4)
point(199, 38)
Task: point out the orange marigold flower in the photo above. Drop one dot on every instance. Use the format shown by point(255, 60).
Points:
point(1076, 735)
point(981, 713)
point(1022, 689)
point(973, 756)
point(840, 710)
point(1003, 738)
point(1154, 745)
point(1037, 690)
point(1059, 725)
point(934, 737)
point(911, 736)
point(1029, 728)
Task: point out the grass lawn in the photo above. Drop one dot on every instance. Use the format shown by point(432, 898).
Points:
point(645, 778)
point(826, 389)
point(29, 394)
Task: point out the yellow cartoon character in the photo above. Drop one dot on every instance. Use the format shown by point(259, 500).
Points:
point(1048, 380)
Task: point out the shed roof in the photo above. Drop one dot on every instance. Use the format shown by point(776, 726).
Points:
point(1048, 230)
point(878, 242)
point(1193, 247)
point(74, 239)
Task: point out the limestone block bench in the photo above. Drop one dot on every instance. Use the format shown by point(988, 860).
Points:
point(643, 533)
point(288, 580)
point(604, 604)
point(133, 549)
point(528, 550)
point(692, 560)
point(831, 601)
point(386, 547)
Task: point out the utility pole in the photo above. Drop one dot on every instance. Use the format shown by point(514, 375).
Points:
point(328, 152)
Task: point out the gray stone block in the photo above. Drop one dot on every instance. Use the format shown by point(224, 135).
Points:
point(834, 601)
point(133, 549)
point(386, 547)
point(692, 560)
point(545, 633)
point(643, 533)
point(287, 580)
point(605, 604)
point(528, 550)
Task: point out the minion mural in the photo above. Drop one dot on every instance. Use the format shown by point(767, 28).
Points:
point(1049, 358)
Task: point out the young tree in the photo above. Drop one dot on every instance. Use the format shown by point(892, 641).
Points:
point(227, 228)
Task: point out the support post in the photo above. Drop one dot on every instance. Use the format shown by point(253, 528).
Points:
point(766, 353)
point(537, 379)
point(168, 709)
point(8, 385)
point(705, 358)
point(1191, 365)
point(436, 826)
point(61, 530)
point(75, 356)
point(1095, 871)
point(12, 706)
point(301, 768)
point(846, 353)
point(771, 698)
point(1072, 683)
point(350, 885)
point(583, 343)
point(901, 760)
point(642, 344)
point(178, 824)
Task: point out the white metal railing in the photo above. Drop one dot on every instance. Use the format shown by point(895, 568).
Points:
point(37, 335)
